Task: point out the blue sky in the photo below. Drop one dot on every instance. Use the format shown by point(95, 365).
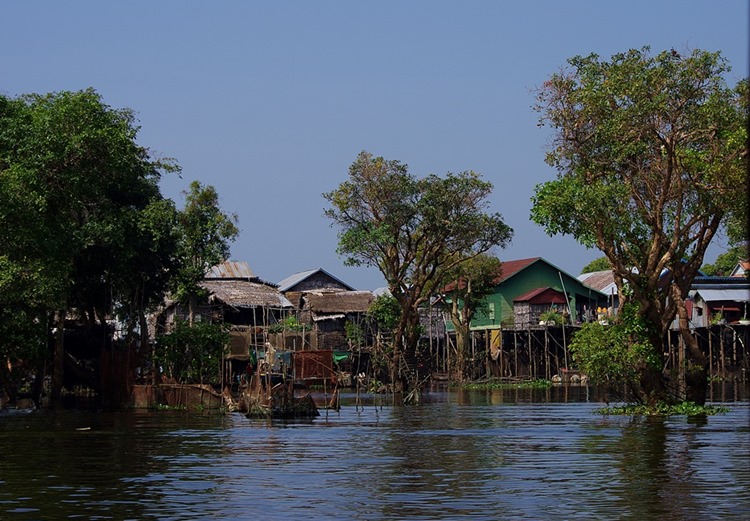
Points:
point(270, 102)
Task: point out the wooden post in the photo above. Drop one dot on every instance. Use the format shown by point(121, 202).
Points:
point(710, 353)
point(547, 374)
point(515, 349)
point(681, 368)
point(721, 354)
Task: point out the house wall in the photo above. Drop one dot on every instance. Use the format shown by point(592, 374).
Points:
point(538, 275)
point(318, 281)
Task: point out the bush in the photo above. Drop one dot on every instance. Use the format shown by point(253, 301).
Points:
point(192, 354)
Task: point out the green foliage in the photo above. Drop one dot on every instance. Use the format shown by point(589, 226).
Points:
point(499, 384)
point(192, 354)
point(663, 409)
point(727, 261)
point(617, 353)
point(598, 264)
point(385, 312)
point(354, 333)
point(205, 232)
point(413, 230)
point(650, 151)
point(78, 201)
point(552, 317)
point(469, 283)
point(289, 323)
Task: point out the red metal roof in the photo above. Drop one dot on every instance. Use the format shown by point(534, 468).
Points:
point(541, 296)
point(510, 268)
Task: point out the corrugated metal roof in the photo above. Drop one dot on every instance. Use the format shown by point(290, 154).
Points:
point(541, 296)
point(511, 267)
point(603, 281)
point(231, 270)
point(293, 280)
point(732, 295)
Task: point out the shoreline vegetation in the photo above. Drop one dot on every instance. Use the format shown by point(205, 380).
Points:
point(684, 408)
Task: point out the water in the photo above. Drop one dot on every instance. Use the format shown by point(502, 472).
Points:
point(481, 455)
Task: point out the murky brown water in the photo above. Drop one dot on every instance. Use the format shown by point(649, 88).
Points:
point(482, 455)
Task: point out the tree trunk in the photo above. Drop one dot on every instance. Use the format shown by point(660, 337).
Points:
point(8, 383)
point(461, 350)
point(58, 372)
point(461, 322)
point(696, 372)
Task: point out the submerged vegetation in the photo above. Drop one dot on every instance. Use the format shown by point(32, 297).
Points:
point(663, 409)
point(505, 384)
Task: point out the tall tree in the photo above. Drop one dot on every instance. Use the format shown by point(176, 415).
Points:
point(72, 171)
point(205, 233)
point(414, 230)
point(470, 283)
point(651, 151)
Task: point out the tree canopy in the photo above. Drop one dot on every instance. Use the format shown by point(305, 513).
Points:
point(725, 262)
point(77, 194)
point(84, 229)
point(598, 264)
point(651, 153)
point(205, 233)
point(414, 230)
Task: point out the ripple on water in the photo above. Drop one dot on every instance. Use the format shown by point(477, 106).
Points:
point(441, 460)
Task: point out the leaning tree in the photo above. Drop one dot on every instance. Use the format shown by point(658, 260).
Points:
point(414, 230)
point(651, 153)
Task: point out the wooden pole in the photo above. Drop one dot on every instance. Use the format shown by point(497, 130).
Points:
point(546, 354)
point(721, 348)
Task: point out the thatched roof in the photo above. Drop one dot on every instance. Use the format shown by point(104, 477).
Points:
point(244, 294)
point(338, 301)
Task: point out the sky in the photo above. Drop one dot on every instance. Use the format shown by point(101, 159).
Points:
point(270, 102)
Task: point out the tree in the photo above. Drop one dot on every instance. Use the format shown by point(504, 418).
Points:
point(598, 264)
point(726, 261)
point(413, 230)
point(74, 185)
point(470, 283)
point(193, 353)
point(650, 152)
point(205, 233)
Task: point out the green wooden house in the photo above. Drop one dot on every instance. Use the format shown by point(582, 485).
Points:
point(528, 287)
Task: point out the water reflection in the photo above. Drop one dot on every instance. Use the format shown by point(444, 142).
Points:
point(481, 455)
